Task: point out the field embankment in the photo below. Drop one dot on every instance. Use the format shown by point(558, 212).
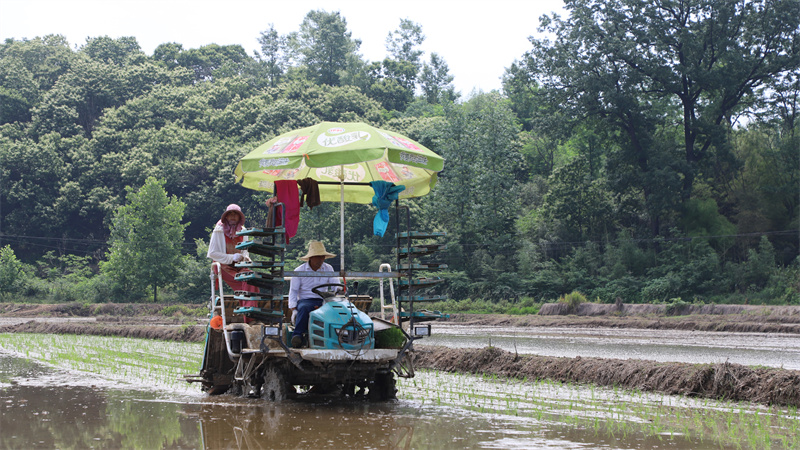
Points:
point(179, 333)
point(184, 323)
point(722, 318)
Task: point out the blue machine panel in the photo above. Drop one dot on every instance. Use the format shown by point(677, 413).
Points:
point(340, 325)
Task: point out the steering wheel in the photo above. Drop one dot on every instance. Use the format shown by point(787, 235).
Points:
point(326, 294)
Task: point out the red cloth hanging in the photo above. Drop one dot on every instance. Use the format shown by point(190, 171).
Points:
point(288, 194)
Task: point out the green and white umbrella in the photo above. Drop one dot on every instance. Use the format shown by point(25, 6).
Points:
point(348, 155)
point(343, 158)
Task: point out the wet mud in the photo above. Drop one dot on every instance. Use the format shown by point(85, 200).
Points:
point(718, 381)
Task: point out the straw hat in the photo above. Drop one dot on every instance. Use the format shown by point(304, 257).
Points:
point(316, 248)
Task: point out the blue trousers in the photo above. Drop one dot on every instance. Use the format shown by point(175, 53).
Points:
point(304, 308)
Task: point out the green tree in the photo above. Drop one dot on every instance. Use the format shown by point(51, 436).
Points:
point(476, 198)
point(12, 271)
point(84, 93)
point(167, 54)
point(642, 66)
point(763, 193)
point(146, 238)
point(210, 61)
point(578, 206)
point(436, 81)
point(274, 55)
point(391, 83)
point(18, 91)
point(31, 174)
point(46, 58)
point(121, 51)
point(325, 46)
point(403, 42)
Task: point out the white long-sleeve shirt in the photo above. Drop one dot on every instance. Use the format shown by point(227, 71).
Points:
point(216, 248)
point(300, 287)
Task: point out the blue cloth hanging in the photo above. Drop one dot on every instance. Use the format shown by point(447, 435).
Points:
point(385, 194)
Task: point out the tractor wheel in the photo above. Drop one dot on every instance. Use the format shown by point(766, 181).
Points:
point(274, 387)
point(236, 388)
point(383, 388)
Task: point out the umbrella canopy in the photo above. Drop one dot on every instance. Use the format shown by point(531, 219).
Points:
point(349, 154)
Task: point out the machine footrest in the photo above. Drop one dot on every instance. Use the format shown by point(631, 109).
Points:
point(262, 249)
point(257, 279)
point(262, 296)
point(420, 234)
point(421, 298)
point(261, 231)
point(426, 266)
point(259, 314)
point(419, 282)
point(264, 265)
point(422, 316)
point(420, 250)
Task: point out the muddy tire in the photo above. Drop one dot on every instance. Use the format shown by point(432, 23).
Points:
point(218, 389)
point(383, 388)
point(236, 389)
point(274, 388)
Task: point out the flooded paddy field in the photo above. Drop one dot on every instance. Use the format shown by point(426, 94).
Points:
point(62, 391)
point(752, 349)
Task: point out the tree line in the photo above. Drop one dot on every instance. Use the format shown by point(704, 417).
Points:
point(642, 152)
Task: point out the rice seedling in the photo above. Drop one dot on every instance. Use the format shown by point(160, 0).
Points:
point(133, 362)
point(611, 412)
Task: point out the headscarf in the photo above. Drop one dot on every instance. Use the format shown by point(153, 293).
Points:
point(229, 231)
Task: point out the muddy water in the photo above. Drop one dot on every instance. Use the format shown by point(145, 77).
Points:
point(762, 349)
point(43, 407)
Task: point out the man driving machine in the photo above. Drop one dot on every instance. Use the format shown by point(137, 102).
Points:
point(302, 300)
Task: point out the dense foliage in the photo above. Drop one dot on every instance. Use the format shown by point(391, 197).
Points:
point(646, 152)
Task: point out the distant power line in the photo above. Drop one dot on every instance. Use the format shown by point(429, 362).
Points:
point(59, 242)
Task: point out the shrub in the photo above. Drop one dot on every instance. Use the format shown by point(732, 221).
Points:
point(182, 310)
point(662, 288)
point(573, 300)
point(528, 305)
point(675, 306)
point(12, 271)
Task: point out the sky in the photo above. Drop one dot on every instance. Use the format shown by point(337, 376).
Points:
point(477, 39)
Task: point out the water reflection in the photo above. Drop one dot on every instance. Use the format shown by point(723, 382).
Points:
point(259, 425)
point(399, 425)
point(82, 417)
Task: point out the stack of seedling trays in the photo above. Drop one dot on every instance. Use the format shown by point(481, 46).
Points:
point(266, 247)
point(413, 285)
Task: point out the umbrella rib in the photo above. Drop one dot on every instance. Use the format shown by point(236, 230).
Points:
point(346, 183)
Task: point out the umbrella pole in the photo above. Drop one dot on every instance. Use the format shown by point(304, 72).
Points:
point(341, 227)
